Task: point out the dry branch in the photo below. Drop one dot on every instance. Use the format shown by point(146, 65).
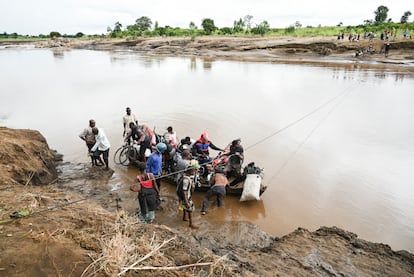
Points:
point(146, 256)
point(169, 267)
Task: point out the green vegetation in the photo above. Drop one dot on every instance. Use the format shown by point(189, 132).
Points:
point(143, 27)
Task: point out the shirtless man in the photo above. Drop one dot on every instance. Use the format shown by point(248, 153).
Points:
point(218, 189)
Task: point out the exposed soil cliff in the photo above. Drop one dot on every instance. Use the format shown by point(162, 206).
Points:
point(58, 231)
point(268, 49)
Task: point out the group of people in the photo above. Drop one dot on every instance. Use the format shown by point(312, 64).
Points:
point(185, 158)
point(97, 143)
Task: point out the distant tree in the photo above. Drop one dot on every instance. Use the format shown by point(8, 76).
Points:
point(261, 29)
point(193, 29)
point(143, 23)
point(160, 31)
point(192, 26)
point(54, 34)
point(298, 24)
point(208, 26)
point(404, 18)
point(381, 14)
point(79, 35)
point(339, 24)
point(389, 20)
point(290, 29)
point(238, 25)
point(117, 27)
point(226, 31)
point(248, 21)
point(368, 21)
point(156, 25)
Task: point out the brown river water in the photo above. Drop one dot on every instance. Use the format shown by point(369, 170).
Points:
point(335, 142)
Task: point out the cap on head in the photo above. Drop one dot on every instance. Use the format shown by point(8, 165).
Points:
point(194, 164)
point(161, 147)
point(204, 135)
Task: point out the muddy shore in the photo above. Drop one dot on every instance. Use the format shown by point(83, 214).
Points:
point(70, 226)
point(306, 50)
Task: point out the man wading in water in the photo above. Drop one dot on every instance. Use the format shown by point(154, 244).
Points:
point(185, 190)
point(218, 189)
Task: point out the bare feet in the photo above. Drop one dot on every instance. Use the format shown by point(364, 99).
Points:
point(192, 226)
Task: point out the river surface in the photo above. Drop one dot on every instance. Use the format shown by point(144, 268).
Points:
point(336, 142)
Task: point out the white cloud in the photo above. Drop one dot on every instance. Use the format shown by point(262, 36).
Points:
point(94, 16)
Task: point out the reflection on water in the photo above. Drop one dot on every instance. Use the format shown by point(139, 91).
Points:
point(347, 163)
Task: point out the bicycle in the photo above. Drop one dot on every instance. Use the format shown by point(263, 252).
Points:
point(121, 155)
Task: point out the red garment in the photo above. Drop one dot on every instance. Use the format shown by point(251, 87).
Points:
point(148, 184)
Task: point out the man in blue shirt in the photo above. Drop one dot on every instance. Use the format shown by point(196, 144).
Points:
point(154, 162)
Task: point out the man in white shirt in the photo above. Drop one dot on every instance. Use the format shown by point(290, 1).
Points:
point(128, 118)
point(171, 137)
point(101, 146)
point(89, 138)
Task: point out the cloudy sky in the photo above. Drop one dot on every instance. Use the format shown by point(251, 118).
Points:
point(94, 16)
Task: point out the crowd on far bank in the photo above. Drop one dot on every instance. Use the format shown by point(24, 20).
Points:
point(385, 35)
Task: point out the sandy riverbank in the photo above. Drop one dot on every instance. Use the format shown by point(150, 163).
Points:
point(266, 49)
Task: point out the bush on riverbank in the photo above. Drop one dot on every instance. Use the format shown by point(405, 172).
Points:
point(294, 31)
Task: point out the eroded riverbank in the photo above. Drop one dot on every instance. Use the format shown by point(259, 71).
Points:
point(77, 221)
point(296, 50)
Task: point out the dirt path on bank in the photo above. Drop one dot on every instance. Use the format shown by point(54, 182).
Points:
point(74, 224)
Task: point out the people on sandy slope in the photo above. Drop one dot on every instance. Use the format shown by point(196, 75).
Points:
point(154, 163)
point(184, 192)
point(127, 119)
point(219, 182)
point(140, 138)
point(101, 146)
point(147, 196)
point(89, 138)
point(387, 49)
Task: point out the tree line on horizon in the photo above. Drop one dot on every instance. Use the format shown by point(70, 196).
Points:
point(143, 26)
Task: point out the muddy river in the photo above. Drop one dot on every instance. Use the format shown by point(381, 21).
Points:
point(336, 142)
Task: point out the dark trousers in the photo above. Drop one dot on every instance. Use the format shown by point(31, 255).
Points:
point(97, 154)
point(143, 146)
point(147, 198)
point(218, 191)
